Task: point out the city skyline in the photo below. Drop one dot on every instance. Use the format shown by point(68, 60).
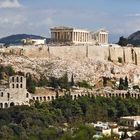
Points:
point(120, 18)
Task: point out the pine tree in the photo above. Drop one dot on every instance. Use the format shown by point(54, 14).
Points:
point(126, 82)
point(72, 80)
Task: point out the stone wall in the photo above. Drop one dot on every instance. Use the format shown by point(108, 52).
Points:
point(114, 54)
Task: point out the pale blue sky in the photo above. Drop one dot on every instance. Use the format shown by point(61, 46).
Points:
point(119, 17)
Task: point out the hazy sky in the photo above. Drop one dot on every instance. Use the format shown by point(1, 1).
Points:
point(119, 17)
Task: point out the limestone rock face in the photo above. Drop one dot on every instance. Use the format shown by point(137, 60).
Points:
point(91, 70)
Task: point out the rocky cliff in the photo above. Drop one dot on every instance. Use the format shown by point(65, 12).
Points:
point(91, 70)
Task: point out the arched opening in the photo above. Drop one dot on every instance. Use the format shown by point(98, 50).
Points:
point(17, 85)
point(48, 97)
point(1, 105)
point(12, 104)
point(12, 79)
point(52, 97)
point(33, 98)
point(20, 85)
point(6, 105)
point(1, 94)
point(13, 86)
point(37, 98)
point(27, 95)
point(17, 79)
point(8, 95)
point(40, 98)
point(44, 98)
point(21, 79)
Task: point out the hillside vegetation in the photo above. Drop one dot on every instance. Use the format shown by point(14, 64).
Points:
point(46, 121)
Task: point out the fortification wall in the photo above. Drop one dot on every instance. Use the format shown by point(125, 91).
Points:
point(97, 52)
point(68, 52)
point(115, 54)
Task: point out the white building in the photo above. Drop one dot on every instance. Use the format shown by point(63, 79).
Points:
point(74, 36)
point(15, 93)
point(29, 41)
point(130, 121)
point(106, 128)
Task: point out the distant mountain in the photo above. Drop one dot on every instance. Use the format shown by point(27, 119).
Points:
point(134, 38)
point(16, 39)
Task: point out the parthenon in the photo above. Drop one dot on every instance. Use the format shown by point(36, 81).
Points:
point(78, 36)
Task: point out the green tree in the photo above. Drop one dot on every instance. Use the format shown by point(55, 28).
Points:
point(84, 84)
point(63, 82)
point(9, 70)
point(123, 41)
point(72, 80)
point(126, 82)
point(30, 84)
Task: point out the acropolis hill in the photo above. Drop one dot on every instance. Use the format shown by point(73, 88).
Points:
point(85, 62)
point(86, 59)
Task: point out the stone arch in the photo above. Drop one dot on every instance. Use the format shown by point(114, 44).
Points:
point(123, 95)
point(6, 105)
point(44, 98)
point(52, 97)
point(12, 104)
point(48, 97)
